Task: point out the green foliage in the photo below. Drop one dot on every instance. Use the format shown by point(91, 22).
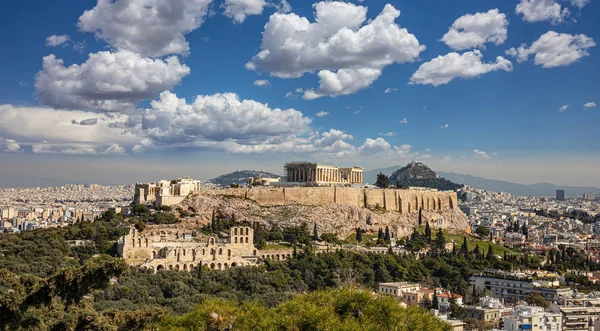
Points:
point(140, 210)
point(537, 300)
point(341, 309)
point(482, 231)
point(383, 181)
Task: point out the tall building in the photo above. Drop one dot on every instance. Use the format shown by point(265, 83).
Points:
point(560, 195)
point(589, 196)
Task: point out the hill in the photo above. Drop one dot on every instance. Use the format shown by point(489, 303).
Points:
point(418, 174)
point(241, 177)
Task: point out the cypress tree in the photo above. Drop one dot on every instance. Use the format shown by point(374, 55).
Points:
point(476, 250)
point(358, 235)
point(504, 258)
point(420, 217)
point(315, 234)
point(380, 234)
point(464, 249)
point(490, 253)
point(428, 232)
point(387, 236)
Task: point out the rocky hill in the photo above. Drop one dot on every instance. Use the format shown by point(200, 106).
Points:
point(241, 177)
point(335, 218)
point(418, 174)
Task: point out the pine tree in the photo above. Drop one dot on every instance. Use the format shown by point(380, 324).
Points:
point(315, 234)
point(387, 236)
point(476, 250)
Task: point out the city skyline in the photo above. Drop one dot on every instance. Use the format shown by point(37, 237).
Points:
point(501, 90)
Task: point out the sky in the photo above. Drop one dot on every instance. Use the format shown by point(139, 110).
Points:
point(123, 91)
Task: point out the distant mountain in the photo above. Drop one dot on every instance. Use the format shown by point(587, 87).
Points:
point(542, 189)
point(418, 174)
point(241, 177)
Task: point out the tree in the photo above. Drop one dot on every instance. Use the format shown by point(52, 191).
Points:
point(387, 236)
point(383, 181)
point(359, 235)
point(315, 234)
point(139, 210)
point(464, 249)
point(440, 242)
point(537, 300)
point(428, 232)
point(490, 254)
point(476, 250)
point(482, 231)
point(420, 217)
point(380, 234)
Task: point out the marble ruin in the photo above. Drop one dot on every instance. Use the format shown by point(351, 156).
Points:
point(164, 248)
point(165, 192)
point(319, 174)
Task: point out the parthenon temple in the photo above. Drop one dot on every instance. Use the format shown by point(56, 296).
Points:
point(314, 173)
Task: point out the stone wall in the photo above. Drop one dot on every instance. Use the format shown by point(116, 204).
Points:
point(403, 201)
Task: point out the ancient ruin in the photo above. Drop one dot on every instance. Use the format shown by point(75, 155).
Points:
point(319, 174)
point(165, 192)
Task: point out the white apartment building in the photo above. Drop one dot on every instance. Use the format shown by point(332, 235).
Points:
point(397, 288)
point(532, 318)
point(512, 288)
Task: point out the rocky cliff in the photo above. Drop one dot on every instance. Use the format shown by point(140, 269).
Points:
point(418, 174)
point(334, 218)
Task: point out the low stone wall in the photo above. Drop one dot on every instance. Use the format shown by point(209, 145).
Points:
point(403, 201)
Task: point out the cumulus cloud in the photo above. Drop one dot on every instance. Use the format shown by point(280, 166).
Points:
point(589, 105)
point(341, 45)
point(542, 10)
point(55, 41)
point(404, 121)
point(563, 108)
point(9, 145)
point(444, 68)
point(374, 146)
point(470, 31)
point(481, 154)
point(114, 149)
point(87, 121)
point(390, 90)
point(106, 81)
point(148, 27)
point(445, 126)
point(238, 10)
point(322, 113)
point(554, 49)
point(342, 82)
point(261, 82)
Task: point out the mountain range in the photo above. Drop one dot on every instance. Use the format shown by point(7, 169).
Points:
point(241, 177)
point(541, 189)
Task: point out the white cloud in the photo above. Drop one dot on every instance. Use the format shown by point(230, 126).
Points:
point(87, 121)
point(579, 3)
point(374, 146)
point(404, 121)
point(9, 145)
point(554, 49)
point(390, 90)
point(55, 41)
point(106, 81)
point(114, 149)
point(589, 105)
point(542, 10)
point(481, 154)
point(261, 82)
point(563, 108)
point(341, 45)
point(445, 126)
point(322, 113)
point(387, 134)
point(471, 31)
point(447, 159)
point(148, 27)
point(238, 10)
point(445, 68)
point(342, 82)
point(356, 112)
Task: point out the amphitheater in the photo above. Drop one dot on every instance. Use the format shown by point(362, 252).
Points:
point(166, 248)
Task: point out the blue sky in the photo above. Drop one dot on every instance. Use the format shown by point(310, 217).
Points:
point(480, 108)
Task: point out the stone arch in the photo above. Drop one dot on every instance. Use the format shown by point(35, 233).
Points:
point(139, 242)
point(254, 252)
point(170, 267)
point(133, 242)
point(235, 232)
point(211, 241)
point(219, 266)
point(220, 251)
point(289, 255)
point(146, 242)
point(246, 240)
point(212, 266)
point(160, 267)
point(235, 239)
point(184, 252)
point(191, 266)
point(177, 267)
point(247, 231)
point(229, 253)
point(185, 267)
point(225, 266)
point(283, 256)
point(439, 203)
point(212, 251)
point(234, 264)
point(151, 269)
